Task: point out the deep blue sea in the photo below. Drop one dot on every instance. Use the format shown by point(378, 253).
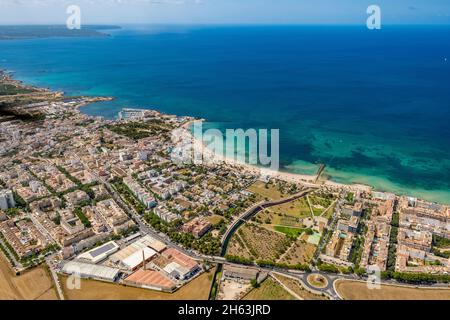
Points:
point(373, 105)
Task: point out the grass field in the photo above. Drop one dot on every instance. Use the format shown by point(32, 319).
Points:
point(271, 192)
point(288, 214)
point(269, 217)
point(197, 289)
point(298, 208)
point(269, 290)
point(35, 284)
point(320, 201)
point(140, 130)
point(214, 219)
point(296, 287)
point(290, 221)
point(291, 232)
point(329, 212)
point(352, 290)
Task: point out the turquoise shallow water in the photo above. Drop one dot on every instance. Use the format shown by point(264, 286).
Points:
point(373, 106)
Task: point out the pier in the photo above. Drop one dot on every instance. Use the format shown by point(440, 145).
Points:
point(319, 172)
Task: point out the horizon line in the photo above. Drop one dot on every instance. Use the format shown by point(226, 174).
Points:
point(118, 24)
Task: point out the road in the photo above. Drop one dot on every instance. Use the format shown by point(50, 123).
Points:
point(18, 265)
point(249, 213)
point(301, 276)
point(144, 227)
point(49, 261)
point(41, 228)
point(331, 226)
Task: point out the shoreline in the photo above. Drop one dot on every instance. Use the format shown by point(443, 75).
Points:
point(216, 158)
point(308, 180)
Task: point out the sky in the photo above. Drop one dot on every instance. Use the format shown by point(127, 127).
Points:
point(225, 11)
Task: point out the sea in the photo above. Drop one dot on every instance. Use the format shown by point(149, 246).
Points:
point(373, 105)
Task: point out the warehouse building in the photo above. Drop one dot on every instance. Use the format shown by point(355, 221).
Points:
point(100, 253)
point(137, 246)
point(177, 271)
point(237, 273)
point(180, 266)
point(137, 259)
point(91, 271)
point(150, 279)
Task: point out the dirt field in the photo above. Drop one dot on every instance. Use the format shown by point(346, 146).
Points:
point(270, 192)
point(236, 248)
point(298, 208)
point(288, 214)
point(270, 218)
point(263, 243)
point(269, 290)
point(295, 286)
point(317, 280)
point(233, 290)
point(352, 290)
point(301, 252)
point(198, 289)
point(32, 285)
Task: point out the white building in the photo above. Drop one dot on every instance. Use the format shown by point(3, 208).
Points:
point(35, 186)
point(131, 114)
point(164, 214)
point(100, 253)
point(176, 271)
point(90, 271)
point(131, 256)
point(124, 157)
point(6, 199)
point(140, 192)
point(138, 258)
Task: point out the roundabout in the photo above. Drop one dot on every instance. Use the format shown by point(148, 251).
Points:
point(317, 281)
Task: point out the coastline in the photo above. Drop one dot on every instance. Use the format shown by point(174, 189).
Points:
point(327, 179)
point(307, 180)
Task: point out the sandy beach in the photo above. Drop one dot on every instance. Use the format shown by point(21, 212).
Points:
point(210, 157)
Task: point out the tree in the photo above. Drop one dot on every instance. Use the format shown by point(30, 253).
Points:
point(254, 283)
point(80, 214)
